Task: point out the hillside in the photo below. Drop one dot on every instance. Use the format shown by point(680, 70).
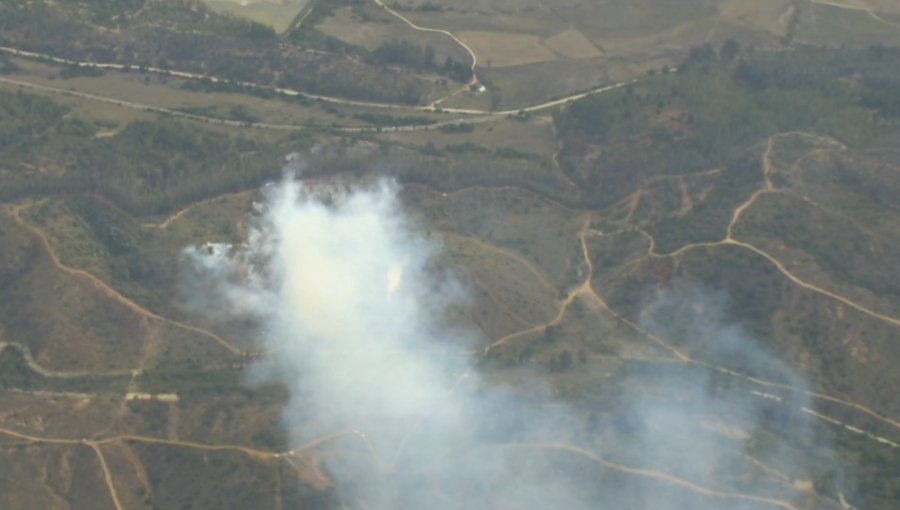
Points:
point(676, 288)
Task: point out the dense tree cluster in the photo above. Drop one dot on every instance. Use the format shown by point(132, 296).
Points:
point(185, 35)
point(7, 66)
point(722, 102)
point(418, 58)
point(23, 116)
point(404, 53)
point(146, 168)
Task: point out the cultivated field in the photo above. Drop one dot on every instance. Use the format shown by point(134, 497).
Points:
point(276, 13)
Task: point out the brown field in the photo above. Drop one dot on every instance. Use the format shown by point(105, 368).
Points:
point(381, 28)
point(537, 21)
point(276, 13)
point(572, 44)
point(628, 37)
point(347, 27)
point(503, 49)
point(770, 17)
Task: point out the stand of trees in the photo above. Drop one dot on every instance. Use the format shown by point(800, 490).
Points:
point(147, 168)
point(418, 58)
point(186, 35)
point(720, 103)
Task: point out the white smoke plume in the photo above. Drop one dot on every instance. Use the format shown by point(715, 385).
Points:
point(353, 307)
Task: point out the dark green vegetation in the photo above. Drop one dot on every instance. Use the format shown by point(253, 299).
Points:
point(251, 484)
point(643, 196)
point(6, 66)
point(715, 108)
point(406, 54)
point(184, 35)
point(419, 59)
point(146, 167)
point(15, 373)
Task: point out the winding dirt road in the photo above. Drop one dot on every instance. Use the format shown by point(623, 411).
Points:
point(253, 453)
point(852, 7)
point(163, 225)
point(468, 112)
point(107, 476)
point(648, 473)
point(34, 366)
point(730, 240)
point(447, 33)
point(586, 289)
point(109, 291)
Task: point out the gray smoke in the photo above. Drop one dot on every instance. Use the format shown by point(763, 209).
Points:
point(353, 305)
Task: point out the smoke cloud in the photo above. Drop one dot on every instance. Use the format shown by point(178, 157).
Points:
point(353, 304)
